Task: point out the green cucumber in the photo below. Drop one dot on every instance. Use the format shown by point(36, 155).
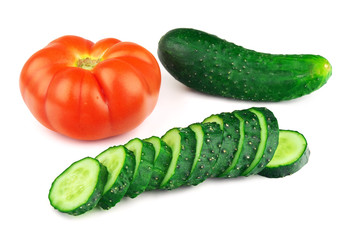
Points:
point(120, 163)
point(248, 144)
point(161, 162)
point(269, 135)
point(144, 161)
point(214, 66)
point(183, 145)
point(230, 125)
point(291, 155)
point(79, 188)
point(208, 143)
point(238, 143)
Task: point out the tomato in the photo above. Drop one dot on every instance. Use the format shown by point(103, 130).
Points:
point(89, 91)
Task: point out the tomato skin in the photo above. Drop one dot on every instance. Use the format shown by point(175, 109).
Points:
point(109, 95)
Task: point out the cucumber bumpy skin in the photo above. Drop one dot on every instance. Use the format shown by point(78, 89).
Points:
point(161, 162)
point(250, 133)
point(183, 145)
point(144, 156)
point(269, 136)
point(214, 66)
point(119, 162)
point(185, 156)
point(231, 137)
point(208, 143)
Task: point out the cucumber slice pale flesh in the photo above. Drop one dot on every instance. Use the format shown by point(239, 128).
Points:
point(291, 155)
point(79, 188)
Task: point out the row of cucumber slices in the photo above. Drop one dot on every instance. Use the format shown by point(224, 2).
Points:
point(229, 144)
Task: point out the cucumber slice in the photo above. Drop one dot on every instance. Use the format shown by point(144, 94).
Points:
point(249, 129)
point(119, 162)
point(208, 142)
point(161, 162)
point(183, 145)
point(291, 155)
point(230, 126)
point(144, 156)
point(269, 135)
point(79, 188)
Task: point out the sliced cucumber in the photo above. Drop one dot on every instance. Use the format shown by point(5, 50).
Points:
point(161, 162)
point(291, 155)
point(120, 163)
point(79, 188)
point(248, 144)
point(240, 143)
point(230, 126)
point(183, 145)
point(144, 156)
point(269, 135)
point(208, 143)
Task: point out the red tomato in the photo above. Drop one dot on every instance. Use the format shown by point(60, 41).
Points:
point(88, 90)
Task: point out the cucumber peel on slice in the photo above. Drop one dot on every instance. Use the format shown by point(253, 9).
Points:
point(208, 142)
point(248, 145)
point(144, 156)
point(231, 139)
point(269, 132)
point(161, 162)
point(183, 145)
point(119, 162)
point(291, 155)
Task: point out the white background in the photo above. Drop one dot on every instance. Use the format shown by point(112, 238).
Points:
point(315, 203)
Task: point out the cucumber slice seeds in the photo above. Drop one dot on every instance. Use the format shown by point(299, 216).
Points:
point(291, 155)
point(79, 188)
point(230, 144)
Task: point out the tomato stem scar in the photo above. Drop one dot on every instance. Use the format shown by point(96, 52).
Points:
point(87, 63)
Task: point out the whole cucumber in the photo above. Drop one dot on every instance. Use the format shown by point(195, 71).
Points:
point(211, 65)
